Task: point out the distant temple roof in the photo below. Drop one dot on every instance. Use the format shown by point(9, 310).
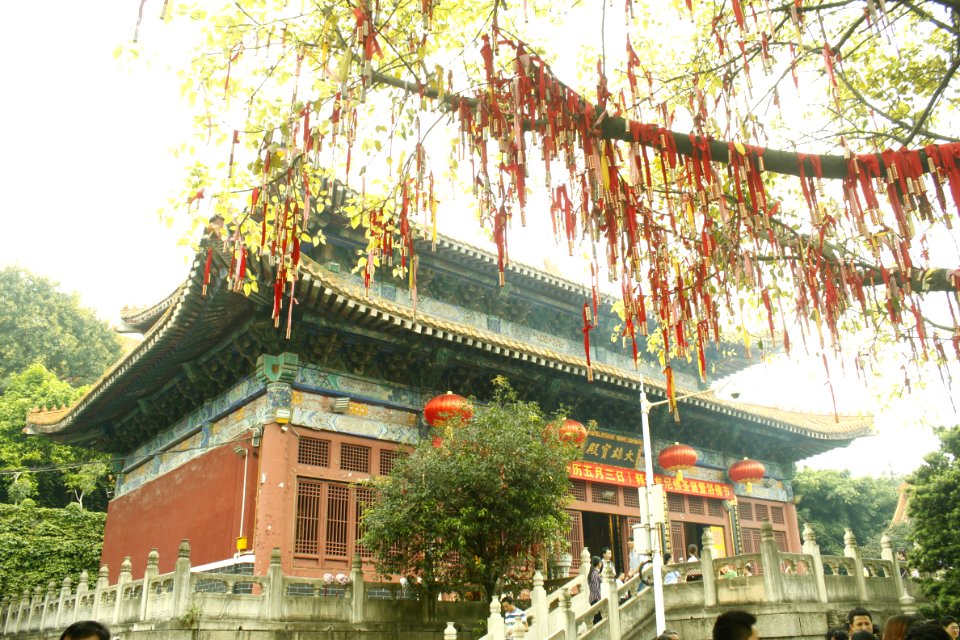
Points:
point(186, 325)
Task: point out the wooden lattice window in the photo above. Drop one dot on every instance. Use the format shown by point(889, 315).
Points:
point(604, 493)
point(776, 515)
point(675, 502)
point(338, 505)
point(354, 457)
point(714, 508)
point(313, 451)
point(575, 538)
point(751, 540)
point(631, 497)
point(761, 512)
point(695, 505)
point(308, 516)
point(745, 511)
point(327, 517)
point(363, 498)
point(578, 489)
point(389, 457)
point(677, 542)
point(781, 539)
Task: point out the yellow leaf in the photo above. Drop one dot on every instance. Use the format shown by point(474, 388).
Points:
point(740, 148)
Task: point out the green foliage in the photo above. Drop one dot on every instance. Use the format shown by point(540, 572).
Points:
point(899, 535)
point(481, 505)
point(86, 475)
point(40, 545)
point(39, 323)
point(830, 501)
point(934, 510)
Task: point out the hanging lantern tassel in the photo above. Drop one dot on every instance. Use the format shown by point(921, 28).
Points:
point(672, 394)
point(587, 326)
point(206, 271)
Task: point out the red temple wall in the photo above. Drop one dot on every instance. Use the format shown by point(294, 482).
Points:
point(200, 500)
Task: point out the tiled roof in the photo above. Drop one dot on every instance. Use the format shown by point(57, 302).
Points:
point(172, 319)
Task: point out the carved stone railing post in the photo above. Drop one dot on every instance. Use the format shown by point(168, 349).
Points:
point(126, 569)
point(149, 575)
point(706, 568)
point(851, 550)
point(275, 586)
point(32, 618)
point(613, 603)
point(47, 620)
point(66, 588)
point(359, 591)
point(181, 580)
point(886, 552)
point(812, 549)
point(583, 592)
point(103, 581)
point(24, 612)
point(770, 558)
point(450, 633)
point(539, 608)
point(495, 627)
point(82, 590)
point(48, 598)
point(7, 608)
point(569, 617)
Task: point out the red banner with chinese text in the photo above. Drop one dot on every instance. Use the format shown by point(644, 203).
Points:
point(631, 478)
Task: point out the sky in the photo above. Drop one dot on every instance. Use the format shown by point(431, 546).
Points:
point(86, 166)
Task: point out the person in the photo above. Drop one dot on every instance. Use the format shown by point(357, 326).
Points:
point(928, 630)
point(607, 555)
point(837, 633)
point(859, 619)
point(735, 625)
point(668, 635)
point(635, 561)
point(86, 630)
point(593, 585)
point(512, 616)
point(950, 625)
point(670, 576)
point(863, 634)
point(895, 628)
point(693, 553)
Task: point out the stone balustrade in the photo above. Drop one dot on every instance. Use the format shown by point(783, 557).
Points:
point(790, 593)
point(185, 600)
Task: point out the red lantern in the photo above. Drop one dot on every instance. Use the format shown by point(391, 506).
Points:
point(445, 406)
point(572, 432)
point(676, 458)
point(747, 471)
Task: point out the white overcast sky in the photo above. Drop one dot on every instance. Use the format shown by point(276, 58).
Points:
point(85, 166)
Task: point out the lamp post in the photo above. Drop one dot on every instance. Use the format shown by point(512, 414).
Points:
point(651, 507)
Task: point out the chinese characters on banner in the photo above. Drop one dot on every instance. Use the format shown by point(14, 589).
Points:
point(583, 470)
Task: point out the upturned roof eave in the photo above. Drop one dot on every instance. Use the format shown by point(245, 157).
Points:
point(190, 292)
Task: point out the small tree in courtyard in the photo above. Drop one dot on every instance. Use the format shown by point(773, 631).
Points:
point(480, 504)
point(934, 511)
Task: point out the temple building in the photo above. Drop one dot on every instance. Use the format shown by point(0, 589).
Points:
point(226, 432)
